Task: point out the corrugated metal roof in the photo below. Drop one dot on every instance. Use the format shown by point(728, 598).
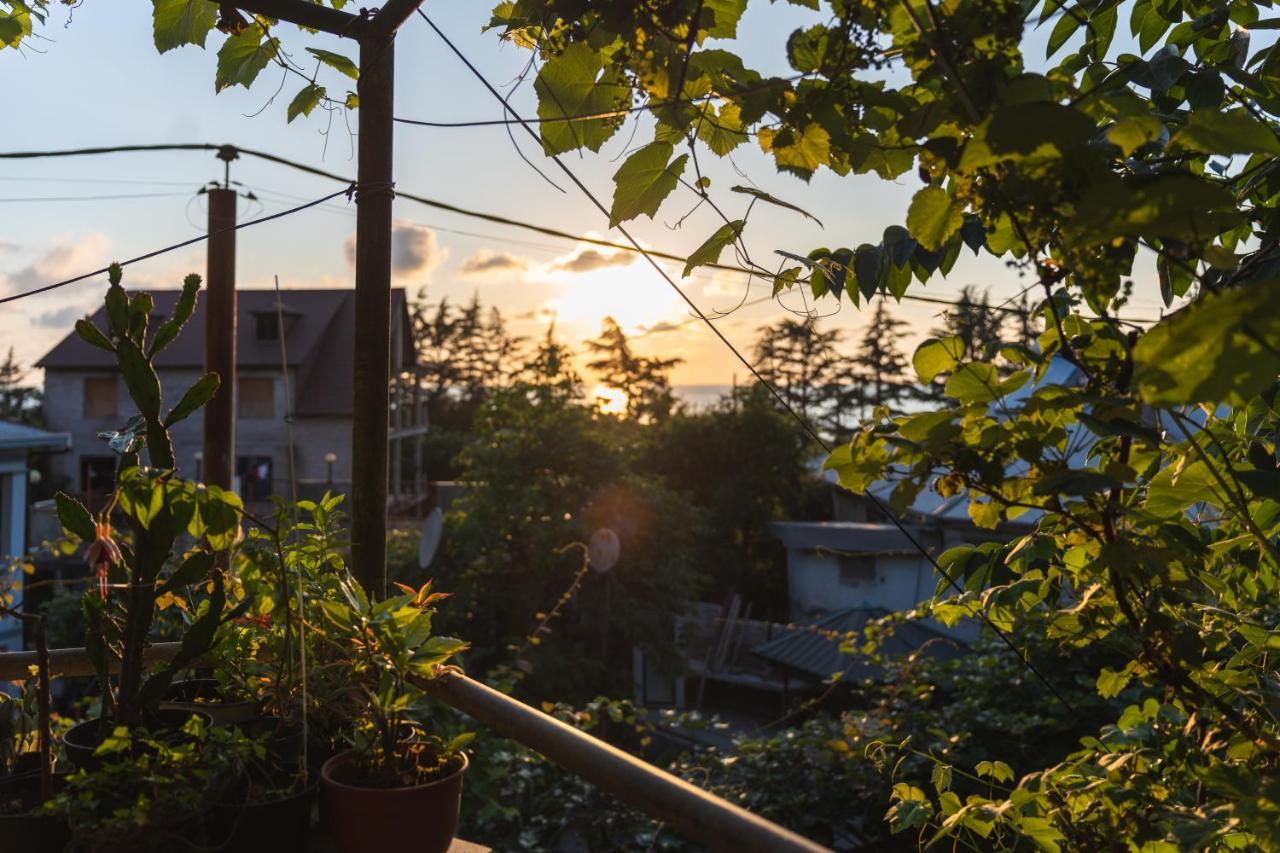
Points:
point(815, 649)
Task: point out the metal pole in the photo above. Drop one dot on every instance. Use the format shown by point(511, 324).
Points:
point(372, 355)
point(220, 339)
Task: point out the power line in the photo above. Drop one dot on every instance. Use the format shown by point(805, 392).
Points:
point(175, 246)
point(56, 179)
point(881, 505)
point(474, 214)
point(119, 197)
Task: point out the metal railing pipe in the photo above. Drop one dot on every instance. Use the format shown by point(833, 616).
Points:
point(697, 815)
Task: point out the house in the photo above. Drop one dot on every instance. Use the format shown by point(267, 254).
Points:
point(311, 332)
point(18, 443)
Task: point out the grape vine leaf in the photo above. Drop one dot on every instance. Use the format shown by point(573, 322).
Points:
point(709, 252)
point(572, 84)
point(243, 56)
point(644, 180)
point(178, 22)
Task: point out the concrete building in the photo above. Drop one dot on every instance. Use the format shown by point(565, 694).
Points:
point(85, 395)
point(18, 443)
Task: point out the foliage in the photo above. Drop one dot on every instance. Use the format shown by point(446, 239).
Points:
point(1147, 457)
point(156, 798)
point(644, 381)
point(882, 367)
point(743, 464)
point(19, 403)
point(805, 366)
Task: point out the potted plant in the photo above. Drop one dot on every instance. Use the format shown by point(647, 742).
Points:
point(26, 756)
point(395, 770)
point(157, 506)
point(160, 799)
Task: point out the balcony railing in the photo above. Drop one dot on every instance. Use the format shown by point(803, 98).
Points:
point(697, 815)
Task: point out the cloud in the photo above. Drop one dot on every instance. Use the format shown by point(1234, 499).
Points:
point(484, 262)
point(64, 259)
point(8, 246)
point(415, 251)
point(60, 318)
point(588, 259)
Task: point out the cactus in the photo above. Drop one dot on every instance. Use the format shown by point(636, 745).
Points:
point(158, 507)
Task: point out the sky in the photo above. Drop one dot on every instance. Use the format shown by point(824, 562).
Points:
point(98, 81)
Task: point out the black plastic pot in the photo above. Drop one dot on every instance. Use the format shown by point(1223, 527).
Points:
point(204, 695)
point(81, 740)
point(21, 830)
point(278, 825)
point(283, 741)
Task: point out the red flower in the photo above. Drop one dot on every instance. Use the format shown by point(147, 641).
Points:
point(101, 553)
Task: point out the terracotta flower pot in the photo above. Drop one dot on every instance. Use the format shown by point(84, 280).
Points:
point(380, 819)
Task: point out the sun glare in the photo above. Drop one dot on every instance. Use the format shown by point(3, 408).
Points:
point(633, 295)
point(611, 401)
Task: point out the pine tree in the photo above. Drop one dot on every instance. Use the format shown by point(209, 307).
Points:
point(881, 365)
point(645, 381)
point(18, 403)
point(806, 367)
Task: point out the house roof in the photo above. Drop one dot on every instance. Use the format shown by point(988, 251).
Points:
point(814, 649)
point(319, 341)
point(22, 437)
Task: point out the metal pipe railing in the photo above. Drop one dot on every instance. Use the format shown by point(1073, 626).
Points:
point(697, 815)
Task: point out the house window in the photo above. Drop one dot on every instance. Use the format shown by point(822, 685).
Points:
point(266, 327)
point(97, 479)
point(856, 570)
point(257, 398)
point(100, 397)
point(255, 477)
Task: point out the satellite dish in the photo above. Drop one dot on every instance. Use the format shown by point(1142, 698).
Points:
point(603, 550)
point(432, 528)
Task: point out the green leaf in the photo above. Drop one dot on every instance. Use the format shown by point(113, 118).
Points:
point(722, 131)
point(178, 22)
point(139, 377)
point(194, 569)
point(1223, 347)
point(197, 395)
point(243, 56)
point(975, 382)
point(644, 180)
point(800, 155)
point(1264, 484)
point(726, 13)
point(936, 356)
point(1176, 205)
point(709, 252)
point(1234, 132)
point(74, 517)
point(90, 334)
point(765, 197)
point(1071, 20)
point(117, 302)
point(933, 217)
point(305, 101)
point(182, 310)
point(1132, 132)
point(576, 83)
point(336, 61)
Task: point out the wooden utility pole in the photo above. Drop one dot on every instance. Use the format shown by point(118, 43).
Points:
point(220, 332)
point(369, 428)
point(375, 31)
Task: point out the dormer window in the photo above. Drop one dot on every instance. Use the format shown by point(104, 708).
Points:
point(266, 324)
point(266, 327)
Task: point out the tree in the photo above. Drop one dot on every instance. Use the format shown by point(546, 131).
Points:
point(643, 380)
point(882, 368)
point(806, 367)
point(19, 403)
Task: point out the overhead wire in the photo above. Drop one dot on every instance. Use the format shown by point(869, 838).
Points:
point(115, 197)
point(174, 247)
point(751, 368)
point(497, 219)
